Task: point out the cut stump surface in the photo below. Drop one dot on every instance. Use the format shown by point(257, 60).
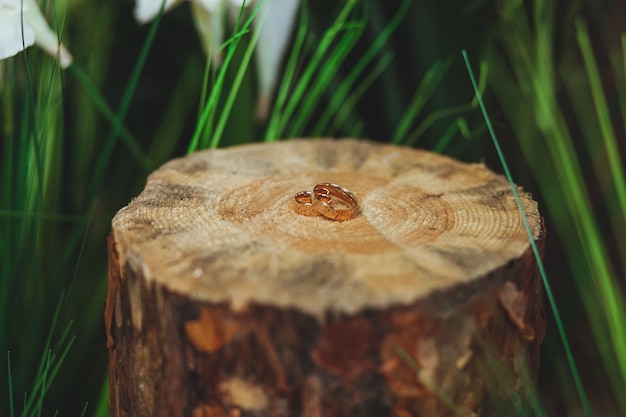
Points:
point(223, 301)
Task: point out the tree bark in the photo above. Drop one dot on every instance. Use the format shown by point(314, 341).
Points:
point(223, 301)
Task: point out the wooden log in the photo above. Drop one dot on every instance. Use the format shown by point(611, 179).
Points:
point(223, 301)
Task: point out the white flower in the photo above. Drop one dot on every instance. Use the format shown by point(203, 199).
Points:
point(22, 25)
point(277, 17)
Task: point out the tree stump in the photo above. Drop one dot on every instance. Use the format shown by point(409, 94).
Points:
point(223, 301)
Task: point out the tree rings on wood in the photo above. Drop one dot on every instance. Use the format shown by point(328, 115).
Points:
point(223, 300)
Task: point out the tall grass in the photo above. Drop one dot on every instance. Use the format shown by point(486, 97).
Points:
point(535, 250)
point(536, 91)
point(35, 266)
point(70, 158)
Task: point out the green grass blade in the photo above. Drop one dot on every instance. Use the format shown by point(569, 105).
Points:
point(79, 258)
point(82, 414)
point(448, 134)
point(319, 83)
point(102, 406)
point(6, 200)
point(101, 105)
point(51, 332)
point(234, 88)
point(179, 108)
point(547, 287)
point(344, 112)
point(304, 85)
point(425, 90)
point(442, 114)
point(603, 114)
point(208, 79)
point(609, 141)
point(205, 83)
point(339, 96)
point(30, 131)
point(615, 314)
point(110, 141)
point(205, 123)
point(44, 363)
point(45, 378)
point(350, 34)
point(42, 392)
point(273, 125)
point(10, 383)
point(59, 362)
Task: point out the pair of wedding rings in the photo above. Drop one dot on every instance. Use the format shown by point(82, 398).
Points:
point(329, 200)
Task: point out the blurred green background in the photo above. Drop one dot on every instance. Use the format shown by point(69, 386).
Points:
point(553, 75)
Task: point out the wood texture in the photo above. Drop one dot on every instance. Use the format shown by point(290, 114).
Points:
point(223, 301)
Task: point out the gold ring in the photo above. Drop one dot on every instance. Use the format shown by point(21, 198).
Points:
point(334, 202)
point(304, 203)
